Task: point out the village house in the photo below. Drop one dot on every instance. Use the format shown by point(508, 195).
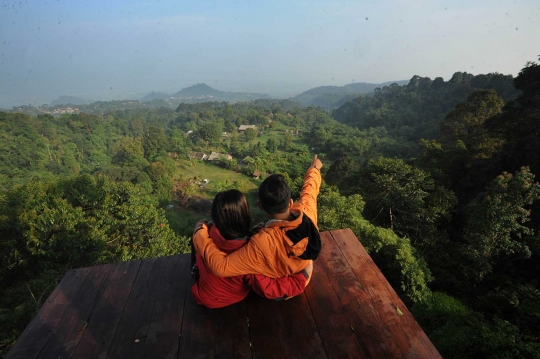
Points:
point(216, 155)
point(257, 174)
point(243, 128)
point(247, 160)
point(197, 155)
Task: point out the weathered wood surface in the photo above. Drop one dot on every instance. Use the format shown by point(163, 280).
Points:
point(144, 309)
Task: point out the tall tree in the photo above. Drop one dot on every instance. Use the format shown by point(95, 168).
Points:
point(465, 123)
point(496, 227)
point(405, 199)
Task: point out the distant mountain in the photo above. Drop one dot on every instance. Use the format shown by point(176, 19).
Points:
point(155, 96)
point(202, 93)
point(70, 100)
point(198, 90)
point(331, 97)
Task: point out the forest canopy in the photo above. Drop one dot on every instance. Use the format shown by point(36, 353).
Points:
point(436, 178)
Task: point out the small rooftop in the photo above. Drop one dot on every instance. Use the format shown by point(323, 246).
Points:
point(245, 127)
point(144, 309)
point(216, 155)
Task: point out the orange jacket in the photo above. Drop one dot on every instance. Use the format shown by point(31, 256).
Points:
point(216, 292)
point(269, 252)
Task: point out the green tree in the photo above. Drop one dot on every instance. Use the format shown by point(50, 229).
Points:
point(459, 332)
point(496, 229)
point(271, 145)
point(518, 124)
point(129, 152)
point(403, 266)
point(161, 182)
point(177, 142)
point(155, 143)
point(405, 199)
point(465, 123)
point(80, 221)
point(341, 170)
point(211, 131)
point(250, 134)
point(70, 157)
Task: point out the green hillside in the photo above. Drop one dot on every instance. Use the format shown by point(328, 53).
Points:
point(437, 179)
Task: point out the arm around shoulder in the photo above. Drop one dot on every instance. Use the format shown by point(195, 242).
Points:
point(246, 260)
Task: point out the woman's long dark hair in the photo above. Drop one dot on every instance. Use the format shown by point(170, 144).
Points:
point(230, 213)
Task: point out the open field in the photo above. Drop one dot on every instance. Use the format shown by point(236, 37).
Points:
point(219, 179)
point(182, 220)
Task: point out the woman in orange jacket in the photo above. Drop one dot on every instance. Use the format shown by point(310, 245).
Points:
point(230, 231)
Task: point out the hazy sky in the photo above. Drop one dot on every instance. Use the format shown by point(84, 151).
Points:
point(105, 49)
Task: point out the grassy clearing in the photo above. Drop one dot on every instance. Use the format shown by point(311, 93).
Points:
point(220, 179)
point(182, 220)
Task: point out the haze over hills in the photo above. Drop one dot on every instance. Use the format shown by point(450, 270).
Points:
point(192, 94)
point(331, 97)
point(70, 100)
point(201, 92)
point(155, 96)
point(328, 97)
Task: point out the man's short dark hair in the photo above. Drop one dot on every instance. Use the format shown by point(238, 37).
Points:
point(274, 194)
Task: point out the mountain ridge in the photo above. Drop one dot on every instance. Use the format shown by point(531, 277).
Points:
point(70, 100)
point(334, 96)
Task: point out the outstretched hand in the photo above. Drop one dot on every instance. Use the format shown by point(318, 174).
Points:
point(316, 163)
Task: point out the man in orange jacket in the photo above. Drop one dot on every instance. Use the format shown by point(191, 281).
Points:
point(288, 241)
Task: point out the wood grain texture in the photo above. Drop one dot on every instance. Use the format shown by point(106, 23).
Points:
point(405, 332)
point(97, 336)
point(130, 335)
point(38, 332)
point(284, 329)
point(214, 333)
point(375, 338)
point(145, 309)
point(75, 319)
point(163, 335)
point(335, 328)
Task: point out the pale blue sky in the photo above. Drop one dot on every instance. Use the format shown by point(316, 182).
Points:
point(111, 49)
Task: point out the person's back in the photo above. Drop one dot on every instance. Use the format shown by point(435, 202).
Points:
point(230, 232)
point(216, 292)
point(287, 243)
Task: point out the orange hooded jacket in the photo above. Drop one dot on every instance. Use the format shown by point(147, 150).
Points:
point(216, 292)
point(270, 251)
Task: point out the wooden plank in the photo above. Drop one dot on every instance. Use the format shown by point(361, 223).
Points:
point(284, 329)
point(373, 335)
point(75, 319)
point(197, 339)
point(39, 330)
point(232, 331)
point(130, 333)
point(163, 336)
point(97, 336)
point(214, 333)
point(405, 331)
point(335, 328)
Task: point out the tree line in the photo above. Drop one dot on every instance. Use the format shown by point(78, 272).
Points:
point(435, 178)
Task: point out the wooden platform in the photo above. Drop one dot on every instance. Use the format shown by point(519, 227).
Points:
point(144, 309)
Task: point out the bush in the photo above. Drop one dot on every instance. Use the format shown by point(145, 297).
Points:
point(458, 332)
